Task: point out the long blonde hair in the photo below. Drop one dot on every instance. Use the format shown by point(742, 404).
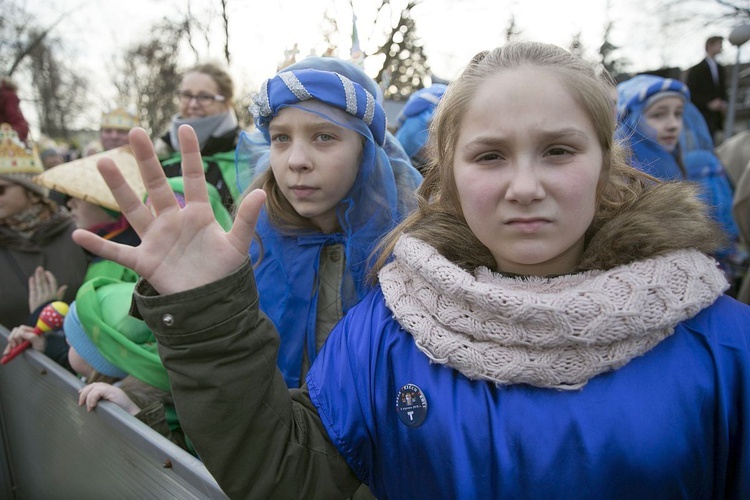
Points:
point(439, 219)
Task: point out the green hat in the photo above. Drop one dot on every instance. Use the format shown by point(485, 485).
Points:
point(103, 306)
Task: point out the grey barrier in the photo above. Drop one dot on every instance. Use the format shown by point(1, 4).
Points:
point(51, 448)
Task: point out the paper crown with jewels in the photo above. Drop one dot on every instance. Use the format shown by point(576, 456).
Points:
point(120, 119)
point(15, 156)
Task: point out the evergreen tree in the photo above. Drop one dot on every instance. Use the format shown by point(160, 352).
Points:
point(405, 67)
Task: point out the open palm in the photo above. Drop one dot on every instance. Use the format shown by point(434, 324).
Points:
point(181, 248)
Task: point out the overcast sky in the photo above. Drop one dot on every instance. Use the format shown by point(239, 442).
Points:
point(451, 30)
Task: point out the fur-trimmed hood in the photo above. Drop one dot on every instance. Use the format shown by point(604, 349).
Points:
point(666, 217)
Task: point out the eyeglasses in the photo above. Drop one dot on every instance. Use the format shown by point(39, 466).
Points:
point(5, 187)
point(202, 99)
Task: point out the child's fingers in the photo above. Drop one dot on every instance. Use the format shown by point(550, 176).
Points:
point(37, 280)
point(51, 279)
point(131, 205)
point(90, 396)
point(82, 394)
point(160, 194)
point(122, 254)
point(92, 400)
point(247, 217)
point(20, 334)
point(192, 166)
point(81, 399)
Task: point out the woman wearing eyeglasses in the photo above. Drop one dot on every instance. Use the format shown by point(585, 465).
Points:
point(205, 103)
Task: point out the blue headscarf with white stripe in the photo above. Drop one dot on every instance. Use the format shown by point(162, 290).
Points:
point(383, 193)
point(633, 97)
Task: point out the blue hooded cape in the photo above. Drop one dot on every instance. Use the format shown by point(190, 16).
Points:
point(414, 119)
point(287, 263)
point(696, 148)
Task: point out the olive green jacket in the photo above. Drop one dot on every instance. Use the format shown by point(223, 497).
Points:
point(268, 442)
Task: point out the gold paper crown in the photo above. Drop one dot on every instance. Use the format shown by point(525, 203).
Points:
point(119, 118)
point(15, 156)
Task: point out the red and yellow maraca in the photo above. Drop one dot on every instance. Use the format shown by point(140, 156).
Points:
point(51, 318)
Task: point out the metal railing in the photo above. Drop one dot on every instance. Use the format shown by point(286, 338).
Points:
point(50, 448)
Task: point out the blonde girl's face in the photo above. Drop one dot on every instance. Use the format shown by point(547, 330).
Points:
point(527, 165)
point(315, 163)
point(198, 96)
point(664, 121)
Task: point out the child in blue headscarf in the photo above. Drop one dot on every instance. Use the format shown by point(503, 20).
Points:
point(336, 182)
point(655, 151)
point(414, 121)
point(670, 140)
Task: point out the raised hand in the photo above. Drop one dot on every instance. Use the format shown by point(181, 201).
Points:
point(181, 248)
point(43, 288)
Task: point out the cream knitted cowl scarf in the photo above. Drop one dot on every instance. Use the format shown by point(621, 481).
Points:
point(548, 332)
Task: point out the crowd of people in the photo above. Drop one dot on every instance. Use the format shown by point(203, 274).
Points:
point(519, 289)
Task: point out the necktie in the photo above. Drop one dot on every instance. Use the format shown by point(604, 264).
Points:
point(714, 70)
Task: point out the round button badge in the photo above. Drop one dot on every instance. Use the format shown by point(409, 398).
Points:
point(411, 405)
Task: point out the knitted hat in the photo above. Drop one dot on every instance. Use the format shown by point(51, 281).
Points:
point(120, 119)
point(18, 162)
point(79, 340)
point(103, 306)
point(81, 179)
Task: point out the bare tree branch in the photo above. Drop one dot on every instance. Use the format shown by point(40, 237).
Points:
point(225, 20)
point(34, 43)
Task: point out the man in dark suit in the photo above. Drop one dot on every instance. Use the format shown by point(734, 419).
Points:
point(707, 86)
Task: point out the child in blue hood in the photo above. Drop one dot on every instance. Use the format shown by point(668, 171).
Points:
point(413, 122)
point(336, 182)
point(670, 140)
